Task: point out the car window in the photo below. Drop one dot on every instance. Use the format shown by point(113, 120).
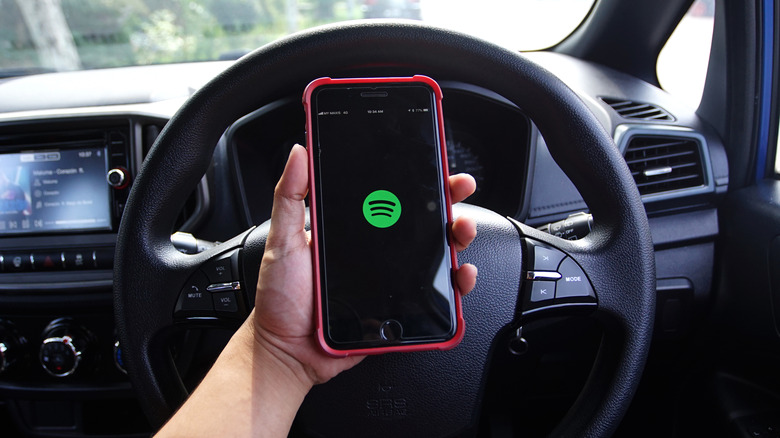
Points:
point(84, 34)
point(520, 25)
point(682, 63)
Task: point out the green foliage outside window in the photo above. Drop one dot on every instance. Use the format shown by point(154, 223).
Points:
point(111, 33)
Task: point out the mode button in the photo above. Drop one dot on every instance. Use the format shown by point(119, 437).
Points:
point(573, 282)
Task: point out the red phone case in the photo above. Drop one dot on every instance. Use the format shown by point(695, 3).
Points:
point(460, 323)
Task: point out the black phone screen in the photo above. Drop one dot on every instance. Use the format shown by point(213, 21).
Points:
point(385, 264)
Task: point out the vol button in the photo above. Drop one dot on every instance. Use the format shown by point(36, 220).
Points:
point(218, 271)
point(225, 302)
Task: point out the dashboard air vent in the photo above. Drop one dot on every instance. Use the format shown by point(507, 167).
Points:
point(664, 164)
point(629, 109)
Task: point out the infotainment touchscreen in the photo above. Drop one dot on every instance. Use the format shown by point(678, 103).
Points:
point(54, 191)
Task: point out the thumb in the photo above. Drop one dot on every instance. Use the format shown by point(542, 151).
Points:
point(288, 216)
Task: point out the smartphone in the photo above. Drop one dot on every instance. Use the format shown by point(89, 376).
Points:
point(380, 210)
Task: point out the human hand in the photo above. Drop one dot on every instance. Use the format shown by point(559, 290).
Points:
point(262, 376)
point(284, 316)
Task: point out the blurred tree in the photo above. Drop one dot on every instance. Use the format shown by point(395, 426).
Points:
point(323, 10)
point(102, 29)
point(109, 33)
point(18, 49)
point(50, 33)
point(177, 31)
point(237, 16)
point(96, 21)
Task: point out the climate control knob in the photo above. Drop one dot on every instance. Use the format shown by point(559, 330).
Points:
point(10, 346)
point(59, 356)
point(65, 346)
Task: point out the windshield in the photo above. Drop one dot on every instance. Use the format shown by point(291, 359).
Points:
point(64, 35)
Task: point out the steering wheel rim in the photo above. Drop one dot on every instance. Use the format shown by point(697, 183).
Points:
point(617, 256)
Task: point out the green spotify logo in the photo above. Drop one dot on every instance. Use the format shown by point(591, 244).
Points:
point(382, 209)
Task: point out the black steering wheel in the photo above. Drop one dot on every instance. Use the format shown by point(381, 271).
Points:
point(430, 393)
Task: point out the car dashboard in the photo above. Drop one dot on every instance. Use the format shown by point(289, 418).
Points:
point(56, 250)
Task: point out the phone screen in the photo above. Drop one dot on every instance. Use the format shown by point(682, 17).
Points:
point(385, 261)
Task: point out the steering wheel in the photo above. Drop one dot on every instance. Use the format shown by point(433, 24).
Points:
point(609, 274)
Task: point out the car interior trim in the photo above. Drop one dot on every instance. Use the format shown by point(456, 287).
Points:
point(767, 40)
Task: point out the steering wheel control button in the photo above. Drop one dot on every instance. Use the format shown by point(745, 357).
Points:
point(225, 303)
point(542, 275)
point(546, 259)
point(542, 291)
point(218, 271)
point(391, 330)
point(573, 282)
point(195, 299)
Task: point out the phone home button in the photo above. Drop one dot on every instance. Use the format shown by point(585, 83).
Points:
point(391, 330)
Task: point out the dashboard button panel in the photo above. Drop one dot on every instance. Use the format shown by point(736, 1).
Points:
point(57, 260)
